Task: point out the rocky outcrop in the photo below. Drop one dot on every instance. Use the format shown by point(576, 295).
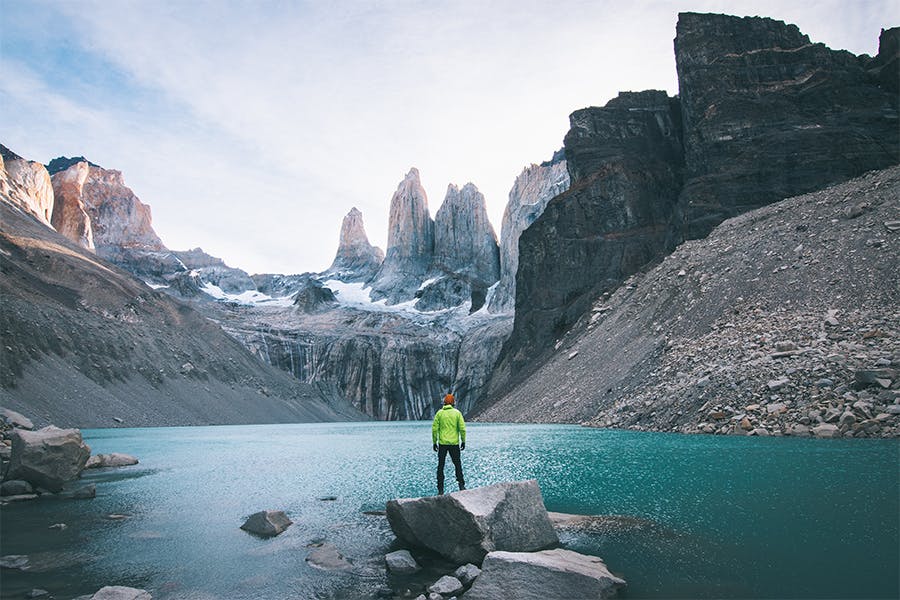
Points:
point(26, 184)
point(762, 115)
point(48, 458)
point(213, 271)
point(70, 218)
point(356, 258)
point(465, 526)
point(94, 206)
point(769, 115)
point(530, 193)
point(625, 164)
point(547, 575)
point(410, 250)
point(464, 240)
point(312, 296)
point(781, 322)
point(267, 523)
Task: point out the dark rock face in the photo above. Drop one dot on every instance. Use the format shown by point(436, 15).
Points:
point(769, 115)
point(213, 270)
point(763, 115)
point(531, 192)
point(410, 250)
point(625, 164)
point(314, 297)
point(464, 240)
point(356, 258)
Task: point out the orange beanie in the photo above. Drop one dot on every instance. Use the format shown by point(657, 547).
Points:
point(449, 399)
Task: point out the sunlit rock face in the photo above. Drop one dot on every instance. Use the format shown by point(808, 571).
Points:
point(410, 250)
point(530, 193)
point(356, 258)
point(70, 217)
point(95, 209)
point(26, 184)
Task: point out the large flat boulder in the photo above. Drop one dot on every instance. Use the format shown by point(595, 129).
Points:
point(47, 458)
point(547, 575)
point(464, 526)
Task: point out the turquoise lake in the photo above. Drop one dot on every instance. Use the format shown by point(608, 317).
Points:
point(708, 517)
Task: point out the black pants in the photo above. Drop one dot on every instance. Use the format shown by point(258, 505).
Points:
point(457, 463)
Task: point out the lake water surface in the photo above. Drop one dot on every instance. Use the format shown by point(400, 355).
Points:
point(713, 517)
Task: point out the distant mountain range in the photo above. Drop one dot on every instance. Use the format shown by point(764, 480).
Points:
point(763, 114)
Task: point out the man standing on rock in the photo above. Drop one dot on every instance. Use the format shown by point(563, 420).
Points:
point(448, 434)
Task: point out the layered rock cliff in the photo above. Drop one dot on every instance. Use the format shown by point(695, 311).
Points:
point(528, 198)
point(26, 184)
point(356, 259)
point(763, 114)
point(625, 162)
point(768, 114)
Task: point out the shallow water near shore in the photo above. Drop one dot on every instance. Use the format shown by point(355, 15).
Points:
point(701, 516)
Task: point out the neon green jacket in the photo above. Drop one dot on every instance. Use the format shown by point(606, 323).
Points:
point(449, 427)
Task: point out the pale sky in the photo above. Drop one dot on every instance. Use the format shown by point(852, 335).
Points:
point(252, 128)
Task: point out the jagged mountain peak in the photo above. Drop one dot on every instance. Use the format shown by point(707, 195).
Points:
point(356, 258)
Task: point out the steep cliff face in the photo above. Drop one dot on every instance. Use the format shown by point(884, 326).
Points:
point(769, 115)
point(356, 258)
point(763, 115)
point(69, 215)
point(530, 193)
point(94, 206)
point(464, 240)
point(410, 250)
point(775, 324)
point(390, 364)
point(625, 163)
point(88, 345)
point(26, 184)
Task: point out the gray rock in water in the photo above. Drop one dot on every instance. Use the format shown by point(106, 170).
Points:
point(15, 487)
point(446, 586)
point(14, 561)
point(114, 459)
point(48, 457)
point(547, 575)
point(467, 573)
point(267, 523)
point(85, 492)
point(401, 562)
point(465, 526)
point(328, 558)
point(15, 419)
point(118, 592)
